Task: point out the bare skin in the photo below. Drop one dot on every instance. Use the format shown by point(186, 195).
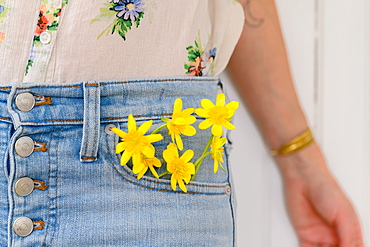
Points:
point(319, 211)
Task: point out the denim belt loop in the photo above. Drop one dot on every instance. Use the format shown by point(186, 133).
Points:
point(91, 122)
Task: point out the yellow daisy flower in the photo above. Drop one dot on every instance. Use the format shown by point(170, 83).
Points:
point(217, 153)
point(218, 115)
point(180, 123)
point(179, 167)
point(146, 163)
point(135, 143)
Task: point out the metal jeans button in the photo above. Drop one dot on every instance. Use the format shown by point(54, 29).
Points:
point(108, 129)
point(25, 101)
point(24, 186)
point(228, 190)
point(24, 146)
point(23, 226)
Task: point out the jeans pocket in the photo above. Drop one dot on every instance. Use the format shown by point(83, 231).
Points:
point(205, 182)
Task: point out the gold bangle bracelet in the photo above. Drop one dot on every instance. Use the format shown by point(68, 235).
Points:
point(299, 142)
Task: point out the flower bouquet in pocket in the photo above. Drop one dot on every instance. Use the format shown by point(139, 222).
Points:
point(137, 145)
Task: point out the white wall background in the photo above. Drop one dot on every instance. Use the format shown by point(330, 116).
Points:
point(328, 44)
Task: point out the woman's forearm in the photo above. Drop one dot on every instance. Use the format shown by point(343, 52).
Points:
point(260, 70)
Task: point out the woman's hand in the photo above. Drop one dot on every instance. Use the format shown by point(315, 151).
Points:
point(320, 212)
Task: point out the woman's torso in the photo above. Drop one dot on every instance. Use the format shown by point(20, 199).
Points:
point(69, 41)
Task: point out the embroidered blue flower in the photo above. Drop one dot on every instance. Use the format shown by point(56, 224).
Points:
point(1, 9)
point(128, 9)
point(212, 53)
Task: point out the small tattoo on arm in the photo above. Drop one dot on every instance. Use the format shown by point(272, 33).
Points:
point(250, 19)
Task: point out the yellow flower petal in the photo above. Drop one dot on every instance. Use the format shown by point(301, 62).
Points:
point(233, 105)
point(228, 125)
point(153, 138)
point(177, 106)
point(220, 142)
point(136, 159)
point(139, 168)
point(131, 123)
point(173, 182)
point(215, 166)
point(190, 120)
point(182, 186)
point(206, 103)
point(125, 157)
point(120, 147)
point(173, 148)
point(153, 172)
point(220, 100)
point(119, 132)
point(141, 173)
point(168, 156)
point(189, 130)
point(202, 112)
point(187, 156)
point(217, 130)
point(190, 169)
point(145, 126)
point(205, 124)
point(179, 143)
point(187, 111)
point(148, 151)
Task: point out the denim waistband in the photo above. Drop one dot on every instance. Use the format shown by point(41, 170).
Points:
point(64, 103)
point(93, 103)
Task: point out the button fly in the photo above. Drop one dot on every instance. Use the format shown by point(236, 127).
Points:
point(25, 101)
point(23, 226)
point(24, 186)
point(24, 146)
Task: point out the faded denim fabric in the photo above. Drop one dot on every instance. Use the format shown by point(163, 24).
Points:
point(82, 196)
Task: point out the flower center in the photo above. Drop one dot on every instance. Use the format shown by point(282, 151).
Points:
point(218, 113)
point(130, 6)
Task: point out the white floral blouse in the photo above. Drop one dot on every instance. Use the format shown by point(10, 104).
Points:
point(57, 41)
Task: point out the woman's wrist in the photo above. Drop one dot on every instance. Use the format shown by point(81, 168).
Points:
point(302, 164)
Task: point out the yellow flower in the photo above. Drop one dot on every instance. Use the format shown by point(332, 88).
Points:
point(146, 163)
point(135, 143)
point(217, 115)
point(180, 123)
point(217, 153)
point(179, 167)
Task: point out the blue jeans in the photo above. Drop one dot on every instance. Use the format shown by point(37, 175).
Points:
point(79, 194)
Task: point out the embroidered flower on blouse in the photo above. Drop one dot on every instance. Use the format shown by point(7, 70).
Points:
point(180, 123)
point(123, 14)
point(199, 62)
point(218, 115)
point(128, 9)
point(135, 143)
point(2, 37)
point(217, 153)
point(210, 60)
point(179, 166)
point(48, 21)
point(3, 10)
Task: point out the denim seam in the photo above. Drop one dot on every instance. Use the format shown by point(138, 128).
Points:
point(179, 192)
point(56, 186)
point(118, 82)
point(49, 174)
point(103, 119)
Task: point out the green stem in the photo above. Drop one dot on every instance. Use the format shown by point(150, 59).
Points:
point(158, 129)
point(163, 174)
point(205, 153)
